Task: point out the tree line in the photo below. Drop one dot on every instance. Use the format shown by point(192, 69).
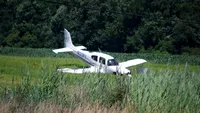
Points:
point(162, 26)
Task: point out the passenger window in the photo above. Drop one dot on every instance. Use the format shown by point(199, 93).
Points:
point(102, 60)
point(94, 57)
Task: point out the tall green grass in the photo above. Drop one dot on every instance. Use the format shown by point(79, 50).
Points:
point(29, 81)
point(153, 58)
point(155, 91)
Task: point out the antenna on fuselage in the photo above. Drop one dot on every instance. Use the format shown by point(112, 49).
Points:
point(99, 50)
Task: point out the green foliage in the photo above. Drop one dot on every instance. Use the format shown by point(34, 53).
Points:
point(13, 38)
point(115, 26)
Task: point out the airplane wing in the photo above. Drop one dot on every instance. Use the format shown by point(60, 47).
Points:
point(134, 62)
point(77, 71)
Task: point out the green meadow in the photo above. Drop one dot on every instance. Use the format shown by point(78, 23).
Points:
point(28, 79)
point(14, 67)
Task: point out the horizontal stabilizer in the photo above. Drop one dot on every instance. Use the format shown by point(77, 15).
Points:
point(80, 47)
point(62, 50)
point(134, 62)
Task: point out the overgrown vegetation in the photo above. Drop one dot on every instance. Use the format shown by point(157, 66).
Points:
point(117, 26)
point(31, 84)
point(156, 91)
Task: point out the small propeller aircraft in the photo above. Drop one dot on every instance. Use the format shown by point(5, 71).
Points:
point(98, 62)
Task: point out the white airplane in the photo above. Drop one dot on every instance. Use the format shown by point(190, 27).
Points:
point(98, 62)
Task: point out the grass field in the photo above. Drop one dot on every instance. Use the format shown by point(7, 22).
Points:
point(14, 67)
point(30, 83)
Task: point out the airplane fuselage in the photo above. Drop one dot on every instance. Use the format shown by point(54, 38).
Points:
point(101, 62)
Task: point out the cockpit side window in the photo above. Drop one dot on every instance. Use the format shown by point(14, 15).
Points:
point(102, 60)
point(94, 57)
point(112, 62)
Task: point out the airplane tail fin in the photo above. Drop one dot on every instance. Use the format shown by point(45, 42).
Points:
point(67, 40)
point(68, 45)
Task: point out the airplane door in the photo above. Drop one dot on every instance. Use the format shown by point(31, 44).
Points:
point(102, 67)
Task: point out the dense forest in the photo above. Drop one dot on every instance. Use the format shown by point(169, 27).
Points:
point(161, 26)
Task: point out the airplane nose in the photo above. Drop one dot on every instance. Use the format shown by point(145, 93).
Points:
point(123, 71)
point(129, 74)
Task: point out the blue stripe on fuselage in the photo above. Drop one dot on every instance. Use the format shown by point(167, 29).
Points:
point(82, 56)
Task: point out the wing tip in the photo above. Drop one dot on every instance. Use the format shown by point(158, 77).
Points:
point(55, 51)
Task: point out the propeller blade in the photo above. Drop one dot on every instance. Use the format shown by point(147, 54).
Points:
point(142, 70)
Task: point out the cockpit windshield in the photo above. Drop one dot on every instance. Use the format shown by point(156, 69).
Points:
point(112, 62)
